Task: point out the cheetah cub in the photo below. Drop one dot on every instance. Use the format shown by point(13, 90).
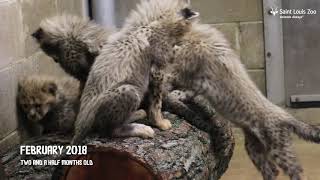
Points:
point(120, 76)
point(145, 13)
point(205, 64)
point(73, 42)
point(49, 104)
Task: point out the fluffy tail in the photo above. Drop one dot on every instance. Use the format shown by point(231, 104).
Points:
point(305, 131)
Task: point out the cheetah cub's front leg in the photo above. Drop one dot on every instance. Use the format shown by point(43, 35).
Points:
point(155, 100)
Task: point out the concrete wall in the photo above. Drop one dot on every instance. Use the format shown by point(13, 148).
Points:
point(242, 23)
point(240, 20)
point(20, 55)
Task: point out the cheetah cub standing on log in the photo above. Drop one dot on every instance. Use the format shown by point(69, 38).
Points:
point(119, 77)
point(205, 64)
point(49, 104)
point(145, 13)
point(74, 43)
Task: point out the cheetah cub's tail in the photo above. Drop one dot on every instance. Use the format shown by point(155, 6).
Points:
point(305, 131)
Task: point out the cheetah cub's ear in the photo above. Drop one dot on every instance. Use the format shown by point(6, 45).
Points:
point(189, 14)
point(48, 43)
point(186, 17)
point(38, 34)
point(50, 88)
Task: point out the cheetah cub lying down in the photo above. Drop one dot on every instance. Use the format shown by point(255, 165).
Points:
point(48, 104)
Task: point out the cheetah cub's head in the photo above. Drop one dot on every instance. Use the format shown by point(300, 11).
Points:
point(59, 37)
point(36, 96)
point(179, 23)
point(171, 30)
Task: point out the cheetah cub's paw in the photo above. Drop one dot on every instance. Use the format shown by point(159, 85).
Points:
point(134, 130)
point(143, 131)
point(138, 115)
point(163, 124)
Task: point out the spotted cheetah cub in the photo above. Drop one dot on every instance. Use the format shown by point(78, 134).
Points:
point(205, 64)
point(73, 42)
point(145, 13)
point(49, 104)
point(120, 76)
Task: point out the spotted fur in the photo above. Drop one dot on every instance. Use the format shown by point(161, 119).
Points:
point(120, 76)
point(146, 12)
point(73, 42)
point(48, 103)
point(205, 64)
point(72, 58)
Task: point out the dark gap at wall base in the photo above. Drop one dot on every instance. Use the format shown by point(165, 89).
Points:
point(90, 9)
point(301, 105)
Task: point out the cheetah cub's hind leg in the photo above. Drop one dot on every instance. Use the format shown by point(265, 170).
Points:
point(112, 110)
point(259, 156)
point(134, 129)
point(154, 97)
point(283, 155)
point(127, 128)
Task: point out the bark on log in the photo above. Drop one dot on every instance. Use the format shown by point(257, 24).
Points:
point(180, 153)
point(2, 174)
point(198, 112)
point(183, 152)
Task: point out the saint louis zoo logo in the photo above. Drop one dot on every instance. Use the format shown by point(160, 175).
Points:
point(292, 13)
point(274, 11)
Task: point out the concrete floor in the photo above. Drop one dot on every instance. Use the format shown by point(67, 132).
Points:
point(241, 167)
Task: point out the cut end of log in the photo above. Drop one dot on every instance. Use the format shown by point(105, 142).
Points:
point(183, 152)
point(110, 163)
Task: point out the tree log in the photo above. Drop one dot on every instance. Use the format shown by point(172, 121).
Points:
point(2, 173)
point(199, 112)
point(180, 153)
point(183, 152)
